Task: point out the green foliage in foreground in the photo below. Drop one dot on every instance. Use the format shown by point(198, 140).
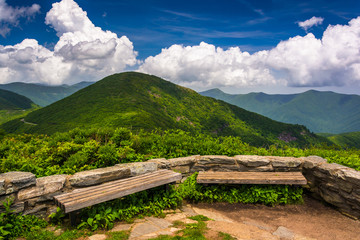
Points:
point(79, 150)
point(266, 194)
point(15, 225)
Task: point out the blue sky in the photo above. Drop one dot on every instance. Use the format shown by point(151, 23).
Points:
point(238, 46)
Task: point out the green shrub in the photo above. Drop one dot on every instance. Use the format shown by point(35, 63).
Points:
point(15, 225)
point(266, 194)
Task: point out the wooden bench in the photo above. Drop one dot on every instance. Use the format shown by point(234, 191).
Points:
point(85, 197)
point(285, 178)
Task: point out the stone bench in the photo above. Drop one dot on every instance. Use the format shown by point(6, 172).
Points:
point(85, 197)
point(285, 178)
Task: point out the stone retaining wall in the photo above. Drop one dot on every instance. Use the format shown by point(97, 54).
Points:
point(333, 183)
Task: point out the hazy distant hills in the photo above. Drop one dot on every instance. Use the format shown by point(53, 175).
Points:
point(141, 101)
point(43, 95)
point(319, 111)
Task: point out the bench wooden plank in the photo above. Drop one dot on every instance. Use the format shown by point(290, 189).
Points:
point(89, 196)
point(90, 191)
point(285, 178)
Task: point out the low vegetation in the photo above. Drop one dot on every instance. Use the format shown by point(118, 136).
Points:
point(265, 194)
point(84, 149)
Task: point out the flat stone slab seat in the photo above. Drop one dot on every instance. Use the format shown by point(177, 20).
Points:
point(285, 178)
point(85, 197)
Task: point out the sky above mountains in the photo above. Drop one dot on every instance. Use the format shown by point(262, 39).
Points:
point(279, 46)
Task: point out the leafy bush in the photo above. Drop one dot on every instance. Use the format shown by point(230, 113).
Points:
point(14, 225)
point(266, 194)
point(85, 149)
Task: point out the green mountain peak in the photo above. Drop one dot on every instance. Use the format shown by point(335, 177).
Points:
point(140, 101)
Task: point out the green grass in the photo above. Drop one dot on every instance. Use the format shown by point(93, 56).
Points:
point(140, 101)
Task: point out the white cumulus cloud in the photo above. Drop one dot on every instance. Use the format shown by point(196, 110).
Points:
point(9, 16)
point(314, 21)
point(205, 65)
point(84, 52)
point(301, 61)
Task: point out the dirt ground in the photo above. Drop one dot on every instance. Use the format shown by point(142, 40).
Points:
point(312, 219)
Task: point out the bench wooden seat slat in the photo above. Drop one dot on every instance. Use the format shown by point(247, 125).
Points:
point(89, 196)
point(110, 185)
point(83, 195)
point(286, 178)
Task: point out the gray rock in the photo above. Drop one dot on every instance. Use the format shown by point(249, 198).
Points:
point(213, 159)
point(312, 161)
point(184, 161)
point(345, 186)
point(331, 197)
point(162, 163)
point(98, 237)
point(100, 175)
point(16, 207)
point(143, 229)
point(252, 161)
point(14, 181)
point(181, 169)
point(39, 211)
point(138, 168)
point(2, 186)
point(285, 162)
point(349, 175)
point(268, 168)
point(3, 198)
point(284, 233)
point(228, 168)
point(331, 169)
point(200, 168)
point(44, 185)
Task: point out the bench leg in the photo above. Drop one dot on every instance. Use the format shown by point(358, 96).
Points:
point(167, 187)
point(72, 217)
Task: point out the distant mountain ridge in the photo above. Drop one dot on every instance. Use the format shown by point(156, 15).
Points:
point(13, 101)
point(13, 105)
point(141, 101)
point(43, 95)
point(321, 112)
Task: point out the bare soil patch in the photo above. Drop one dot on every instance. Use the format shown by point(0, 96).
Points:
point(313, 219)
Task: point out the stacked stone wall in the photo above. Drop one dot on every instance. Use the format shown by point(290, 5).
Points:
point(333, 183)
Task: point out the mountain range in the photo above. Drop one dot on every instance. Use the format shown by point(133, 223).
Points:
point(141, 101)
point(43, 95)
point(321, 112)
